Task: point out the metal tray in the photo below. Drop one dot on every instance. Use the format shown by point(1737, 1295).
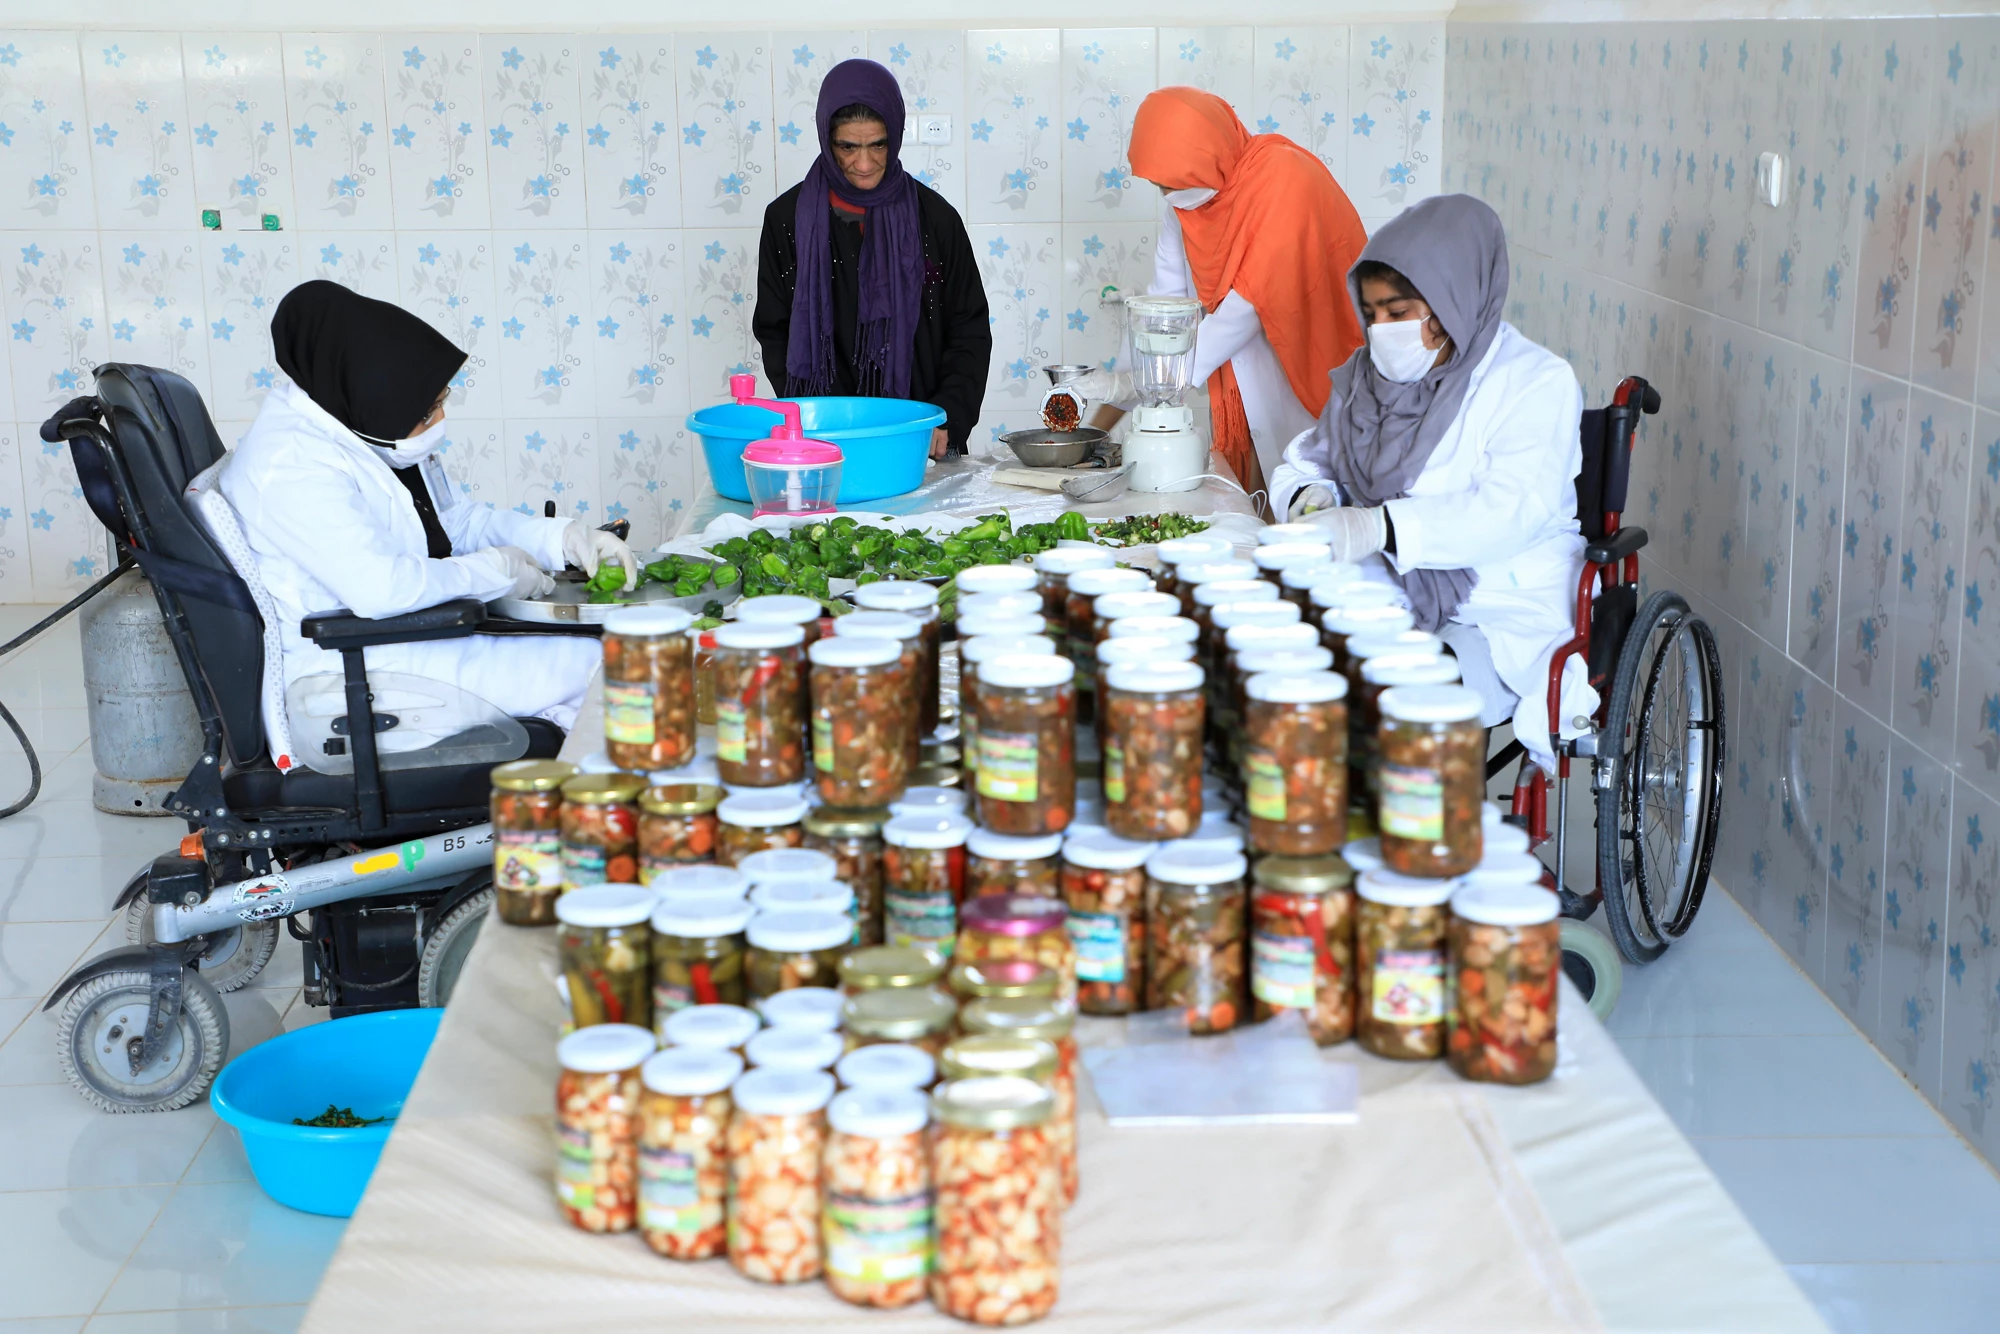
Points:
point(570, 605)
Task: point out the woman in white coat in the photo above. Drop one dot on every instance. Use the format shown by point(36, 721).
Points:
point(1446, 459)
point(343, 501)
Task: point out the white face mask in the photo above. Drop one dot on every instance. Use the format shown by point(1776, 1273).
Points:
point(404, 453)
point(1398, 352)
point(1192, 197)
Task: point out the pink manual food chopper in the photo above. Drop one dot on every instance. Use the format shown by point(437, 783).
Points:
point(786, 473)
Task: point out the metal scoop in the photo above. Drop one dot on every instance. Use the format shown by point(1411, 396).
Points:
point(1107, 485)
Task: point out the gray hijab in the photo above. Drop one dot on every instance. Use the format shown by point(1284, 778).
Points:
point(1376, 434)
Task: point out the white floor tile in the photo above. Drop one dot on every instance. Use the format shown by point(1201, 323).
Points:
point(1722, 992)
point(76, 828)
point(64, 1247)
point(77, 1146)
point(28, 1055)
point(34, 956)
point(226, 1244)
point(222, 1320)
point(287, 968)
point(1722, 924)
point(54, 1324)
point(221, 1157)
point(1833, 1084)
point(62, 889)
point(1885, 1298)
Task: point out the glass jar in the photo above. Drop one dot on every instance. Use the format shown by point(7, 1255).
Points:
point(1365, 609)
point(605, 949)
point(886, 1065)
point(1295, 582)
point(698, 954)
point(1153, 750)
point(787, 866)
point(1194, 574)
point(1302, 943)
point(600, 829)
point(923, 879)
point(919, 1016)
point(784, 609)
point(876, 1217)
point(999, 1054)
point(1127, 652)
point(699, 882)
point(755, 821)
point(928, 800)
point(1505, 949)
point(854, 840)
point(1273, 559)
point(861, 721)
point(777, 1136)
point(796, 949)
point(1027, 744)
point(1380, 673)
point(1009, 864)
point(1019, 926)
point(704, 678)
point(760, 704)
point(1200, 549)
point(971, 653)
point(1432, 779)
point(648, 687)
point(1195, 917)
point(813, 1009)
point(1052, 571)
point(814, 896)
point(1003, 979)
point(1296, 531)
point(1054, 1022)
point(597, 1125)
point(890, 967)
point(1284, 661)
point(1175, 629)
point(1361, 648)
point(1295, 763)
point(1399, 964)
point(1079, 624)
point(684, 1151)
point(999, 1201)
point(906, 632)
point(526, 806)
point(1223, 593)
point(711, 1027)
point(793, 1048)
point(1225, 617)
point(1253, 637)
point(677, 827)
point(1104, 885)
point(918, 600)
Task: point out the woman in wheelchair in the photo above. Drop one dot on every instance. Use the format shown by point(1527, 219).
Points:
point(1445, 460)
point(344, 502)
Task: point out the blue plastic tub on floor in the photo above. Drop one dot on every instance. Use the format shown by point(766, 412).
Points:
point(367, 1062)
point(885, 442)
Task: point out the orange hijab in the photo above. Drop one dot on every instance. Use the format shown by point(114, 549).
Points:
point(1279, 231)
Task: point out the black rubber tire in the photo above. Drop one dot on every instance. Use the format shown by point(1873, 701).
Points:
point(197, 1051)
point(447, 945)
point(232, 961)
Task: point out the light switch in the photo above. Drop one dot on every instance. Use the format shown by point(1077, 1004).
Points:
point(1771, 178)
point(934, 129)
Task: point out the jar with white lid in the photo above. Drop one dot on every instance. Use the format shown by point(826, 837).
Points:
point(876, 1217)
point(760, 703)
point(712, 1027)
point(648, 687)
point(1302, 944)
point(816, 896)
point(1297, 582)
point(796, 949)
point(973, 625)
point(793, 1049)
point(1382, 613)
point(1117, 652)
point(1104, 886)
point(1431, 779)
point(597, 1125)
point(972, 654)
point(1010, 602)
point(999, 1200)
point(1009, 578)
point(919, 600)
point(1027, 744)
point(1194, 574)
point(1218, 831)
point(1176, 629)
point(923, 879)
point(776, 1138)
point(929, 800)
point(1154, 717)
point(1295, 763)
point(698, 954)
point(783, 609)
point(1381, 643)
point(1329, 589)
point(783, 866)
point(1234, 613)
point(604, 944)
point(861, 721)
point(1505, 944)
point(701, 882)
point(754, 821)
point(1274, 558)
point(813, 1009)
point(1503, 868)
point(1288, 661)
point(1385, 671)
point(1503, 836)
point(1297, 530)
point(907, 632)
point(1399, 964)
point(919, 1016)
point(1195, 918)
point(853, 839)
point(1223, 593)
point(684, 1151)
point(886, 1065)
point(1259, 633)
point(1106, 610)
point(1079, 622)
point(1052, 571)
point(1199, 549)
point(1011, 864)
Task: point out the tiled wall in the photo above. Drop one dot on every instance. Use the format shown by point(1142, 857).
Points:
point(1823, 483)
point(581, 213)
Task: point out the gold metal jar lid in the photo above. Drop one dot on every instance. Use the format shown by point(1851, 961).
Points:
point(1008, 979)
point(846, 821)
point(680, 799)
point(532, 775)
point(1025, 1017)
point(1302, 875)
point(603, 789)
point(995, 1054)
point(889, 967)
point(993, 1102)
point(898, 1014)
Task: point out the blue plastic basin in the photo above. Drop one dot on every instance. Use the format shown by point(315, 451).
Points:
point(885, 441)
point(366, 1061)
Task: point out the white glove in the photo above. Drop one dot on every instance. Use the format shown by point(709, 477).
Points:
point(1113, 387)
point(1355, 533)
point(530, 581)
point(1309, 500)
point(586, 548)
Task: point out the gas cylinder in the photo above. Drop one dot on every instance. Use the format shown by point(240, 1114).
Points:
point(144, 733)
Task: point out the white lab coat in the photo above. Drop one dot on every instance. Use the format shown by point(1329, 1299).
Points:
point(331, 526)
point(1498, 497)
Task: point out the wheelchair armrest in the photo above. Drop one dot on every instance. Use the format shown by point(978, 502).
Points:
point(1625, 542)
point(344, 630)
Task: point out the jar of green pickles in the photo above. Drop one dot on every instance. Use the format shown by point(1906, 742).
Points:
point(796, 949)
point(853, 838)
point(698, 953)
point(605, 948)
point(527, 839)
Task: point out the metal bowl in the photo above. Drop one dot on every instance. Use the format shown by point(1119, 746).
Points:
point(1042, 448)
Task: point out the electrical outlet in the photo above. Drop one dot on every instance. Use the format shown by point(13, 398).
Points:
point(934, 129)
point(1771, 178)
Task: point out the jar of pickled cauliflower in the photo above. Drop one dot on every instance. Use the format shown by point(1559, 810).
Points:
point(1153, 750)
point(604, 945)
point(677, 827)
point(526, 807)
point(1432, 779)
point(1505, 951)
point(597, 1125)
point(971, 653)
point(918, 600)
point(760, 704)
point(923, 879)
point(875, 1218)
point(796, 949)
point(1045, 1019)
point(684, 1151)
point(999, 1201)
point(1295, 763)
point(600, 829)
point(854, 840)
point(906, 632)
point(777, 1136)
point(1399, 964)
point(648, 688)
point(698, 952)
point(1011, 864)
point(919, 1016)
point(1027, 744)
point(1302, 943)
point(1104, 886)
point(748, 822)
point(860, 721)
point(1195, 921)
point(886, 1065)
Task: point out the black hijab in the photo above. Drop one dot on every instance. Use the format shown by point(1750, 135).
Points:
point(374, 367)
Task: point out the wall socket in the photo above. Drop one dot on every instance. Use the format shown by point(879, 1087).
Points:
point(1771, 178)
point(934, 129)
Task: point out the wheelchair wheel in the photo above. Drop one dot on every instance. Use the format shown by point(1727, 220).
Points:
point(1591, 964)
point(1664, 739)
point(233, 958)
point(104, 1015)
point(446, 947)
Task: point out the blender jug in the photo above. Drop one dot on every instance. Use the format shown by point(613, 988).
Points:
point(1163, 450)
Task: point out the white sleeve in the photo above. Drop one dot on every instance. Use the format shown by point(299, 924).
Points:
point(476, 527)
point(1170, 266)
point(1294, 474)
point(1232, 327)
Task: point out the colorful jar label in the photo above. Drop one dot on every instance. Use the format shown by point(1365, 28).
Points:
point(669, 1200)
point(823, 744)
point(730, 742)
point(1409, 987)
point(583, 865)
point(1281, 970)
point(1100, 945)
point(628, 712)
point(877, 1241)
point(1264, 785)
point(527, 859)
point(1113, 771)
point(929, 920)
point(576, 1168)
point(1412, 802)
point(1009, 765)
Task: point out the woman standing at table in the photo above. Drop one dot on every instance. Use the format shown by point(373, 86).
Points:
point(866, 281)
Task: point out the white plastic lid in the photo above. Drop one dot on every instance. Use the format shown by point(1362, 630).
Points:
point(896, 595)
point(798, 932)
point(886, 1065)
point(1363, 854)
point(1331, 581)
point(1491, 813)
point(759, 634)
point(1095, 583)
point(691, 1071)
point(1296, 687)
point(793, 1049)
point(1176, 550)
point(927, 831)
point(1285, 634)
point(702, 880)
point(1070, 560)
point(1362, 620)
point(1251, 661)
point(1376, 643)
point(929, 801)
point(988, 624)
point(803, 896)
point(1154, 678)
point(604, 1049)
point(857, 652)
point(1367, 592)
point(1431, 704)
point(1216, 833)
point(606, 905)
point(815, 1009)
point(1272, 533)
point(1124, 652)
point(1303, 575)
point(995, 579)
point(1023, 671)
point(1271, 610)
point(1203, 572)
point(1286, 555)
point(1105, 851)
point(1505, 905)
point(1112, 606)
point(772, 1092)
point(1220, 592)
point(1505, 868)
point(981, 647)
point(876, 625)
point(1178, 629)
point(1410, 669)
point(700, 916)
point(765, 809)
point(648, 621)
point(879, 1113)
point(1385, 886)
point(1178, 864)
point(1501, 838)
point(698, 771)
point(774, 866)
point(1014, 602)
point(789, 608)
point(1012, 847)
point(717, 1026)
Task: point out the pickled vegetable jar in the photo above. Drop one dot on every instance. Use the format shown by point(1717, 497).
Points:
point(1027, 744)
point(1296, 582)
point(755, 821)
point(1223, 593)
point(704, 677)
point(876, 1216)
point(1504, 868)
point(1153, 750)
point(698, 954)
point(1302, 943)
point(1195, 960)
point(1378, 674)
point(776, 1137)
point(1079, 622)
point(1383, 643)
point(1019, 926)
point(605, 948)
point(1364, 609)
point(597, 1125)
point(919, 1016)
point(815, 1009)
point(1054, 1022)
point(760, 704)
point(527, 839)
point(1010, 864)
point(711, 1027)
point(979, 624)
point(796, 949)
point(648, 687)
point(888, 968)
point(684, 1151)
point(793, 1048)
point(853, 838)
point(1003, 979)
point(1128, 652)
point(1200, 549)
point(1052, 571)
point(600, 829)
point(1010, 602)
point(1295, 763)
point(1432, 779)
point(907, 633)
point(971, 653)
point(1399, 964)
point(1104, 884)
point(1261, 635)
point(918, 600)
point(923, 878)
point(1505, 948)
point(999, 1054)
point(787, 866)
point(999, 1202)
point(861, 721)
point(886, 1065)
point(783, 609)
point(677, 827)
point(1237, 613)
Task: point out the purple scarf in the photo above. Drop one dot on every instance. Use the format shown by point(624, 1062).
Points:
point(892, 250)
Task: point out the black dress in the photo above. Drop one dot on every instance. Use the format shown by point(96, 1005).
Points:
point(954, 341)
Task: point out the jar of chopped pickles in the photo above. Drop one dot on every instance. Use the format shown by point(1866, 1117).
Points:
point(793, 1048)
point(1019, 926)
point(605, 949)
point(853, 838)
point(1011, 864)
point(920, 601)
point(886, 1065)
point(1432, 779)
point(1079, 622)
point(923, 879)
point(971, 653)
point(1195, 919)
point(1295, 763)
point(1104, 885)
point(920, 1016)
point(777, 1136)
point(1115, 653)
point(712, 1027)
point(597, 1125)
point(796, 949)
point(1380, 673)
point(876, 1215)
point(1381, 612)
point(1296, 582)
point(648, 687)
point(527, 839)
point(1505, 955)
point(1238, 613)
point(907, 633)
point(600, 829)
point(1027, 744)
point(760, 704)
point(999, 1201)
point(1251, 662)
point(1252, 638)
point(755, 821)
point(1153, 750)
point(1302, 943)
point(698, 954)
point(1399, 964)
point(1054, 1022)
point(861, 721)
point(677, 827)
point(684, 1151)
point(814, 1009)
point(890, 967)
point(1003, 979)
point(1194, 574)
point(783, 609)
point(1384, 643)
point(1052, 571)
